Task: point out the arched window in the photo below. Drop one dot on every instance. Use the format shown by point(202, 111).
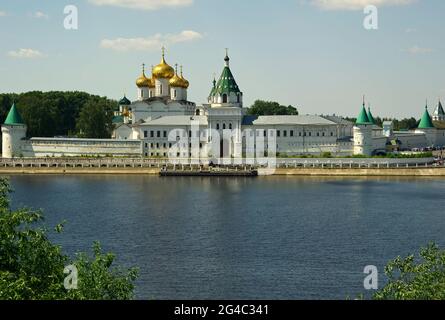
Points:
point(224, 126)
point(224, 98)
point(174, 91)
point(198, 112)
point(217, 126)
point(160, 89)
point(230, 126)
point(238, 98)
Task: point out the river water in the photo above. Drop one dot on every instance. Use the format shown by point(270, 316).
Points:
point(242, 238)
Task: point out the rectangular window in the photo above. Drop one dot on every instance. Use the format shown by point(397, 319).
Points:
point(285, 133)
point(145, 134)
point(165, 134)
point(278, 133)
point(152, 134)
point(291, 133)
point(158, 134)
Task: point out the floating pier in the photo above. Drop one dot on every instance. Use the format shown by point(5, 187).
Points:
point(208, 172)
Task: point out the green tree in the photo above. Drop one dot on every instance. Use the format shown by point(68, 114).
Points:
point(416, 279)
point(49, 114)
point(95, 119)
point(31, 267)
point(263, 108)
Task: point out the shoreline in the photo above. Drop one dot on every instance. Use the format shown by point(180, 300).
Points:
point(344, 172)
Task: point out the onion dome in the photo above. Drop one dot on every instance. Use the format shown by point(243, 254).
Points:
point(186, 83)
point(163, 70)
point(143, 81)
point(126, 112)
point(177, 81)
point(124, 101)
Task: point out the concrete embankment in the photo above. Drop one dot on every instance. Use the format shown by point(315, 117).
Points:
point(407, 172)
point(54, 170)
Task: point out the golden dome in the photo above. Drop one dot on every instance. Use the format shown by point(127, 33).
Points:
point(125, 112)
point(186, 83)
point(143, 81)
point(177, 81)
point(163, 70)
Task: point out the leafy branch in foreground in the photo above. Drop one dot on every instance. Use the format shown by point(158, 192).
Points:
point(31, 267)
point(416, 279)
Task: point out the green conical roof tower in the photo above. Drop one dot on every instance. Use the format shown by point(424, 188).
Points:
point(14, 117)
point(426, 122)
point(370, 116)
point(363, 117)
point(226, 83)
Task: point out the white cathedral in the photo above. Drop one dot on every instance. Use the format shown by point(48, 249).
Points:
point(162, 123)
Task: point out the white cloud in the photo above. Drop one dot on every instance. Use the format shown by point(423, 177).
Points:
point(26, 54)
point(143, 4)
point(40, 15)
point(356, 4)
point(410, 30)
point(150, 43)
point(419, 50)
point(3, 14)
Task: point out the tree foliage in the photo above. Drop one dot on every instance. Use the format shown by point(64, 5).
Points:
point(31, 267)
point(416, 278)
point(54, 113)
point(95, 119)
point(263, 108)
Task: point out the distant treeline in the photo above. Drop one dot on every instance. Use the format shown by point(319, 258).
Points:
point(55, 113)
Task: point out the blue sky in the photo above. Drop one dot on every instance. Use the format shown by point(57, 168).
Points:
point(314, 54)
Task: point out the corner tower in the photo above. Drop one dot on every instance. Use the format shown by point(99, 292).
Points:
point(13, 133)
point(426, 126)
point(363, 134)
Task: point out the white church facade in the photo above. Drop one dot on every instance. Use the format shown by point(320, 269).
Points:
point(163, 123)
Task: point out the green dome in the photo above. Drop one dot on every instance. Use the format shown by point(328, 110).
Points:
point(118, 119)
point(426, 122)
point(363, 117)
point(124, 101)
point(14, 117)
